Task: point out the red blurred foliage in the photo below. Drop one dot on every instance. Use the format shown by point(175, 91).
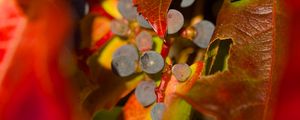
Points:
point(96, 8)
point(288, 106)
point(32, 86)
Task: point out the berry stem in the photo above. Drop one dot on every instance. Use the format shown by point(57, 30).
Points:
point(98, 9)
point(166, 75)
point(165, 49)
point(86, 53)
point(160, 90)
point(101, 42)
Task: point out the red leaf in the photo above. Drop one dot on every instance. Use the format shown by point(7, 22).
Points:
point(31, 84)
point(155, 11)
point(240, 86)
point(288, 104)
point(11, 25)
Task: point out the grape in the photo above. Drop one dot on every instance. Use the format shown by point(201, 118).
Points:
point(157, 111)
point(145, 92)
point(151, 62)
point(143, 22)
point(205, 30)
point(123, 66)
point(119, 27)
point(175, 21)
point(127, 50)
point(186, 3)
point(144, 41)
point(181, 71)
point(127, 9)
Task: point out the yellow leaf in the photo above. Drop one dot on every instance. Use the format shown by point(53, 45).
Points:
point(110, 6)
point(106, 54)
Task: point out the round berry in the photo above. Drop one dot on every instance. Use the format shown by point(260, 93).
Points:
point(145, 92)
point(151, 62)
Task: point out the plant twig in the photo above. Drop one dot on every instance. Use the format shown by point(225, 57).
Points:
point(166, 75)
point(160, 90)
point(86, 53)
point(96, 8)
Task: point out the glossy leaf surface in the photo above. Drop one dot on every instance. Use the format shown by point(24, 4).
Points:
point(155, 11)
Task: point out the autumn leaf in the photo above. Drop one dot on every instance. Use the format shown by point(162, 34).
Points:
point(32, 85)
point(102, 82)
point(178, 108)
point(287, 25)
point(155, 11)
point(12, 24)
point(238, 69)
point(133, 110)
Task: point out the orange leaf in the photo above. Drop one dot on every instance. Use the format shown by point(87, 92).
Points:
point(133, 110)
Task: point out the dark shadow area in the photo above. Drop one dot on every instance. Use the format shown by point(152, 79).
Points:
point(217, 56)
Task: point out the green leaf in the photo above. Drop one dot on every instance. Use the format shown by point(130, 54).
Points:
point(108, 114)
point(158, 44)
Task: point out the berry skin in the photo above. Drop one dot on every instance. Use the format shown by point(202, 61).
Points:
point(145, 92)
point(205, 30)
point(151, 62)
point(175, 21)
point(157, 111)
point(144, 41)
point(123, 66)
point(127, 9)
point(119, 27)
point(127, 50)
point(186, 3)
point(181, 72)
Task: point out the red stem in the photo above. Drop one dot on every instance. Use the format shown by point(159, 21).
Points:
point(98, 9)
point(165, 49)
point(101, 42)
point(160, 90)
point(85, 53)
point(166, 75)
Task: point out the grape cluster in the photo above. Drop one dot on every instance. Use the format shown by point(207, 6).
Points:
point(126, 57)
point(139, 55)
